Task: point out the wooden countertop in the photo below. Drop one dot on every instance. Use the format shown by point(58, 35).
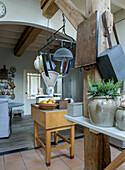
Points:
point(49, 119)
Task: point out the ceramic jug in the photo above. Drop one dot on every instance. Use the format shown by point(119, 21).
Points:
point(120, 118)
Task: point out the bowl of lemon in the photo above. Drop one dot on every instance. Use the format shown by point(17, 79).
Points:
point(48, 105)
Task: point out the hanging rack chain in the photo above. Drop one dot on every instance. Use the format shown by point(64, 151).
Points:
point(53, 37)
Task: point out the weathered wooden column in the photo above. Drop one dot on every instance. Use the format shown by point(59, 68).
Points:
point(96, 145)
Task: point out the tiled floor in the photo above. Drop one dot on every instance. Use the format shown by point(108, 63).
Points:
point(35, 159)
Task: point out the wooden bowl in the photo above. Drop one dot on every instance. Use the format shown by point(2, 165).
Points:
point(47, 106)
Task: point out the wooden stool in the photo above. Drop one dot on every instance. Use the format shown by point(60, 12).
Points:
point(47, 136)
point(52, 122)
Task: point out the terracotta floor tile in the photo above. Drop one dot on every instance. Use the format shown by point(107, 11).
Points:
point(81, 156)
point(39, 167)
point(15, 165)
point(122, 167)
point(2, 167)
point(113, 149)
point(79, 142)
point(72, 162)
point(79, 149)
point(64, 153)
point(33, 161)
point(79, 167)
point(30, 153)
point(54, 157)
point(42, 153)
point(1, 159)
point(12, 157)
point(58, 165)
point(115, 154)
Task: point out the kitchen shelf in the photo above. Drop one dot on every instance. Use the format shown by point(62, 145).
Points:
point(110, 131)
point(5, 82)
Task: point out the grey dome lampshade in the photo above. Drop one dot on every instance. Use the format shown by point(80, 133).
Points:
point(63, 53)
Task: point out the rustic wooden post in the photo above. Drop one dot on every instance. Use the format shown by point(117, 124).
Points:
point(97, 150)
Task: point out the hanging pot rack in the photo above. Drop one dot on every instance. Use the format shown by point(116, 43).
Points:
point(54, 38)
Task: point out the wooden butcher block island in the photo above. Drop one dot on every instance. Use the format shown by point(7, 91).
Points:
point(52, 121)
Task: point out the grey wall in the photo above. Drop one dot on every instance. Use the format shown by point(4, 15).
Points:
point(73, 85)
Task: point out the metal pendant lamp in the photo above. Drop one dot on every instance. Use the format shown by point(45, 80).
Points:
point(63, 53)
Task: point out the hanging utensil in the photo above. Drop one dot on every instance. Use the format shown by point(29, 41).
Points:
point(61, 67)
point(50, 62)
point(64, 66)
point(45, 66)
point(67, 67)
point(48, 65)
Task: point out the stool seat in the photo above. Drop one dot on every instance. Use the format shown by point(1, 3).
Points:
point(18, 112)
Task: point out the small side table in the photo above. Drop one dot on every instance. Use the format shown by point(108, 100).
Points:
point(52, 122)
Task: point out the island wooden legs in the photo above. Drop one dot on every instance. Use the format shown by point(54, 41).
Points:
point(48, 147)
point(72, 136)
point(56, 137)
point(35, 135)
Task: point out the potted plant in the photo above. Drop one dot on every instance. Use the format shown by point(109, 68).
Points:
point(103, 103)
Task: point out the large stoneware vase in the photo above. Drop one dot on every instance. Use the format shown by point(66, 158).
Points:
point(102, 111)
point(120, 118)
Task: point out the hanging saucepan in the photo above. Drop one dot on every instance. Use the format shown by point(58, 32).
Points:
point(45, 66)
point(50, 62)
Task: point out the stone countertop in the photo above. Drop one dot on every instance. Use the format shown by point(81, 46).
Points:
point(110, 131)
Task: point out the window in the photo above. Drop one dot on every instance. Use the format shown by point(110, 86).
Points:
point(33, 83)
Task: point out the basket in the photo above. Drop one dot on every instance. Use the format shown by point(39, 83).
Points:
point(46, 106)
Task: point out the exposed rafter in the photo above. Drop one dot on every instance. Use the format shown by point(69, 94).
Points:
point(119, 3)
point(72, 13)
point(27, 38)
point(49, 8)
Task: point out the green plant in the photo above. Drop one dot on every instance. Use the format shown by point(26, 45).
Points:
point(102, 88)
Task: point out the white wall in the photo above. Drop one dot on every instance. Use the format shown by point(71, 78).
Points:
point(24, 62)
point(120, 26)
point(28, 12)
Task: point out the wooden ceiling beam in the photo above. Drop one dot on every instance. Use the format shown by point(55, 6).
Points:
point(28, 37)
point(43, 3)
point(49, 9)
point(67, 7)
point(71, 12)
